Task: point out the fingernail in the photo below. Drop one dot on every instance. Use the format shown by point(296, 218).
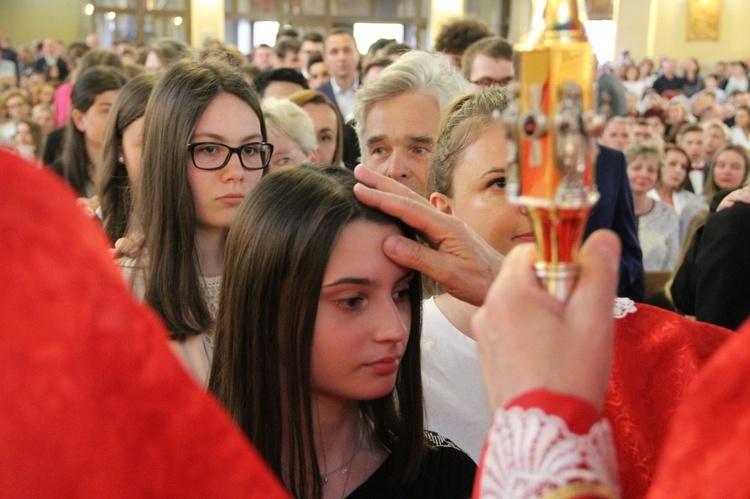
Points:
point(393, 245)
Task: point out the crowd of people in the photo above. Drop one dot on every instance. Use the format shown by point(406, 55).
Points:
point(685, 140)
point(302, 295)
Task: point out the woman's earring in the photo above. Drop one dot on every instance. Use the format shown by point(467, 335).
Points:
point(120, 157)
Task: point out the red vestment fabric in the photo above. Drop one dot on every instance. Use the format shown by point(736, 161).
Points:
point(657, 354)
point(92, 401)
point(705, 453)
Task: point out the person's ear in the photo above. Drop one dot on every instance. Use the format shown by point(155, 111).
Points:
point(441, 202)
point(79, 119)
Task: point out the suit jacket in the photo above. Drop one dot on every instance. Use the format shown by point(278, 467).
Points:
point(712, 282)
point(327, 89)
point(614, 211)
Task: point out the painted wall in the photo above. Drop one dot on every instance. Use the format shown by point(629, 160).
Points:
point(635, 29)
point(520, 19)
point(441, 12)
point(653, 27)
point(206, 21)
point(27, 20)
point(668, 24)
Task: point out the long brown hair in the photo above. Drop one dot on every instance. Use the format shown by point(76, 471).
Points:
point(275, 258)
point(164, 202)
point(304, 97)
point(113, 184)
point(36, 134)
point(92, 82)
point(679, 150)
point(711, 188)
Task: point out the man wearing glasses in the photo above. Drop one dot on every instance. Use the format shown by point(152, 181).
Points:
point(488, 63)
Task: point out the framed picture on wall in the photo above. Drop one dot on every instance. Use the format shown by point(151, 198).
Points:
point(703, 19)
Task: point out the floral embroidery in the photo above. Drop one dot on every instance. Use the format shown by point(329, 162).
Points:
point(531, 453)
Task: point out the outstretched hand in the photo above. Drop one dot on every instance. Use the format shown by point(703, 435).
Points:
point(457, 258)
point(528, 339)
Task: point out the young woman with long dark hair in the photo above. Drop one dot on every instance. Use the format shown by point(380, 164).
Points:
point(204, 149)
point(92, 97)
point(318, 345)
point(121, 155)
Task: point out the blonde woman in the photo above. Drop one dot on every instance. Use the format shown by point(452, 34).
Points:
point(292, 133)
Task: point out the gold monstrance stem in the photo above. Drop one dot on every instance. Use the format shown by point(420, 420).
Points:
point(556, 152)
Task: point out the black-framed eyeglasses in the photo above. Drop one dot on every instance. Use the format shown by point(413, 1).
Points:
point(215, 155)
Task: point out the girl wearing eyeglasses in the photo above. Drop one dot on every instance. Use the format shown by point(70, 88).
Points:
point(317, 345)
point(204, 150)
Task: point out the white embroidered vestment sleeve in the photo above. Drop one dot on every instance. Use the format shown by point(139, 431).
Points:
point(531, 454)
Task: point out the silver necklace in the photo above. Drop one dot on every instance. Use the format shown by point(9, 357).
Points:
point(344, 468)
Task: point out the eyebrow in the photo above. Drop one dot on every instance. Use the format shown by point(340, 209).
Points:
point(418, 139)
point(219, 138)
point(422, 139)
point(363, 281)
point(493, 172)
point(375, 139)
point(504, 79)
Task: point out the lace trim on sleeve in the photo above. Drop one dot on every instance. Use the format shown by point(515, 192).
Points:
point(623, 307)
point(531, 453)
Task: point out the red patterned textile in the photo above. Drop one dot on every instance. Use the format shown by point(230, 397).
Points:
point(705, 452)
point(656, 355)
point(92, 401)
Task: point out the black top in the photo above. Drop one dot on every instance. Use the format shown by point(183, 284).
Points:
point(352, 152)
point(712, 282)
point(662, 84)
point(54, 145)
point(447, 473)
point(41, 66)
point(692, 87)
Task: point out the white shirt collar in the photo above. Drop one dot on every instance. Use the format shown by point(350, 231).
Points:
point(337, 89)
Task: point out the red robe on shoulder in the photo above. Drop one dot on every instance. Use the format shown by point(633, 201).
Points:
point(657, 354)
point(92, 401)
point(706, 450)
